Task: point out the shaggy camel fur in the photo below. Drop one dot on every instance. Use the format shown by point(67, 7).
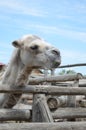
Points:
point(30, 52)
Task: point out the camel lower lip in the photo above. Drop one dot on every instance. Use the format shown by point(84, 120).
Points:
point(55, 65)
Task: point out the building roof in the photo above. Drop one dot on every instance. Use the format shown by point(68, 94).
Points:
point(1, 64)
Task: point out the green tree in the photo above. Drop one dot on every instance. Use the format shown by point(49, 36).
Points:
point(62, 72)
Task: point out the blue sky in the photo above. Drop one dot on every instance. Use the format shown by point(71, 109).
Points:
point(60, 22)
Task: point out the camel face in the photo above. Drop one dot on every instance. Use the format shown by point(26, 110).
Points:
point(36, 52)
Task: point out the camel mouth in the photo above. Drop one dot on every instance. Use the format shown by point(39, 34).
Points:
point(56, 64)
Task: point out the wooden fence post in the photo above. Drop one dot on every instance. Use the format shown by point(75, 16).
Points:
point(71, 102)
point(40, 110)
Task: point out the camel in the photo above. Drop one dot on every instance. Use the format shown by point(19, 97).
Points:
point(31, 52)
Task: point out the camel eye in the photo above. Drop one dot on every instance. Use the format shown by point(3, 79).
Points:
point(35, 47)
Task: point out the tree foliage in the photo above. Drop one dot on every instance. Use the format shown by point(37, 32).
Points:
point(62, 72)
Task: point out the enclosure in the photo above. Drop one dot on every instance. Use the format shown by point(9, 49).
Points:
point(48, 103)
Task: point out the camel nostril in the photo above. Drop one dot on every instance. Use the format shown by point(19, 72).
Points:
point(55, 52)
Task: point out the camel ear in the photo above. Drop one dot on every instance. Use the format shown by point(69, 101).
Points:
point(16, 44)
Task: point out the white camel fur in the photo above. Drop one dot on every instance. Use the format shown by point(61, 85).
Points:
point(30, 52)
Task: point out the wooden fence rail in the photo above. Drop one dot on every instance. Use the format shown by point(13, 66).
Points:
point(68, 113)
point(72, 65)
point(44, 126)
point(25, 114)
point(44, 89)
point(15, 115)
point(61, 78)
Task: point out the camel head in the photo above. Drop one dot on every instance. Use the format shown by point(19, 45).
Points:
point(35, 52)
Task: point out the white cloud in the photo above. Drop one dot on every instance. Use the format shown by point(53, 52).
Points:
point(19, 7)
point(73, 34)
point(68, 33)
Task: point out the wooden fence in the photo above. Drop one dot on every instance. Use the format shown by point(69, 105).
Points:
point(41, 116)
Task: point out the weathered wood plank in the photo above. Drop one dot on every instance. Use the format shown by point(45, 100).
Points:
point(15, 115)
point(25, 115)
point(44, 126)
point(69, 113)
point(72, 65)
point(40, 110)
point(71, 101)
point(45, 89)
point(60, 78)
point(54, 102)
point(82, 85)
